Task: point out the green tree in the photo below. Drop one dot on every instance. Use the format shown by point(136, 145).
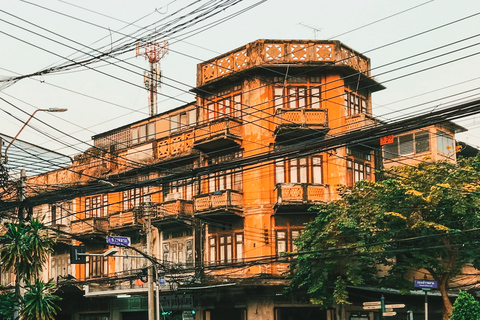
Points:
point(39, 302)
point(465, 307)
point(423, 216)
point(24, 251)
point(7, 305)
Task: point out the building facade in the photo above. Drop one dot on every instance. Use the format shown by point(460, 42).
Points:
point(215, 190)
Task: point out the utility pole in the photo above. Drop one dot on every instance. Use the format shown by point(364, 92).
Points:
point(148, 231)
point(153, 52)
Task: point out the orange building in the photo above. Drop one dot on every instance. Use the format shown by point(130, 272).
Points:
point(215, 190)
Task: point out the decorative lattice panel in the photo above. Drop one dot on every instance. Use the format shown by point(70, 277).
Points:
point(224, 65)
point(163, 148)
point(324, 52)
point(240, 59)
point(315, 117)
point(291, 117)
point(235, 128)
point(292, 193)
point(273, 52)
point(236, 199)
point(298, 52)
point(219, 200)
point(209, 71)
point(202, 203)
point(316, 193)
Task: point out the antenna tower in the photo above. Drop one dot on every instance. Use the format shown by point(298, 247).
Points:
point(153, 52)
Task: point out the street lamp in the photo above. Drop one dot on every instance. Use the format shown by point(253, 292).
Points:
point(33, 114)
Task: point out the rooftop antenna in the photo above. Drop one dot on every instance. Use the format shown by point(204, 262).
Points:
point(314, 30)
point(153, 52)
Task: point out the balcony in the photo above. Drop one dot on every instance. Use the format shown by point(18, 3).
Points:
point(172, 213)
point(175, 146)
point(93, 225)
point(218, 134)
point(219, 203)
point(300, 123)
point(363, 121)
point(295, 196)
point(272, 53)
point(124, 220)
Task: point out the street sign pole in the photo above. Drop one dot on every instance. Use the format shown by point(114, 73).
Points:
point(383, 306)
point(426, 303)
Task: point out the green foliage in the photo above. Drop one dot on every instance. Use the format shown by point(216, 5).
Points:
point(39, 302)
point(466, 307)
point(7, 303)
point(433, 205)
point(24, 251)
point(25, 248)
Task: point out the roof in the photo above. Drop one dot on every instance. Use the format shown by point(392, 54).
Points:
point(31, 157)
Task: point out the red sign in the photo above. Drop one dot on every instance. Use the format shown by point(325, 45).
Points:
point(386, 140)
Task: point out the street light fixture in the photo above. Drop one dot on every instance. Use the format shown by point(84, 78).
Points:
point(25, 124)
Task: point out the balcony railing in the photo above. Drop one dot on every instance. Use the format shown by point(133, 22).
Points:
point(221, 202)
point(172, 208)
point(91, 225)
point(271, 52)
point(359, 121)
point(175, 145)
point(294, 194)
point(295, 123)
point(123, 219)
point(219, 133)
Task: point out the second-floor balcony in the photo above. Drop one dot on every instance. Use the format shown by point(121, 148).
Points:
point(176, 145)
point(219, 203)
point(217, 134)
point(300, 123)
point(124, 220)
point(172, 213)
point(291, 196)
point(362, 121)
point(92, 225)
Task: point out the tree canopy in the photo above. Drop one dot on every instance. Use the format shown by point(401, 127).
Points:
point(24, 251)
point(421, 218)
point(465, 307)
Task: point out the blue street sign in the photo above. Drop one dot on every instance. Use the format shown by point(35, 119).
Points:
point(118, 241)
point(430, 284)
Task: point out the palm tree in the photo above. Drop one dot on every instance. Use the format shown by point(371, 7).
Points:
point(24, 251)
point(39, 302)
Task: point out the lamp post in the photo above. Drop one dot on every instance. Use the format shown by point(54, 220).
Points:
point(25, 124)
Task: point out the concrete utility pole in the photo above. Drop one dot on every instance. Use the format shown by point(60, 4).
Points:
point(148, 231)
point(153, 52)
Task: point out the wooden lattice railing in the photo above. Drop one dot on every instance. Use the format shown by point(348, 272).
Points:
point(175, 145)
point(172, 208)
point(300, 193)
point(224, 127)
point(359, 121)
point(271, 52)
point(218, 200)
point(122, 219)
point(305, 117)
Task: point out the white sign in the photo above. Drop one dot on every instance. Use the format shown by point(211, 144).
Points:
point(372, 303)
point(395, 306)
point(372, 307)
point(387, 314)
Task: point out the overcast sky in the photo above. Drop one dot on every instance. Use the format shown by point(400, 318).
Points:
point(402, 38)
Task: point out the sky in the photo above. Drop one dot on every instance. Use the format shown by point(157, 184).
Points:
point(426, 54)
